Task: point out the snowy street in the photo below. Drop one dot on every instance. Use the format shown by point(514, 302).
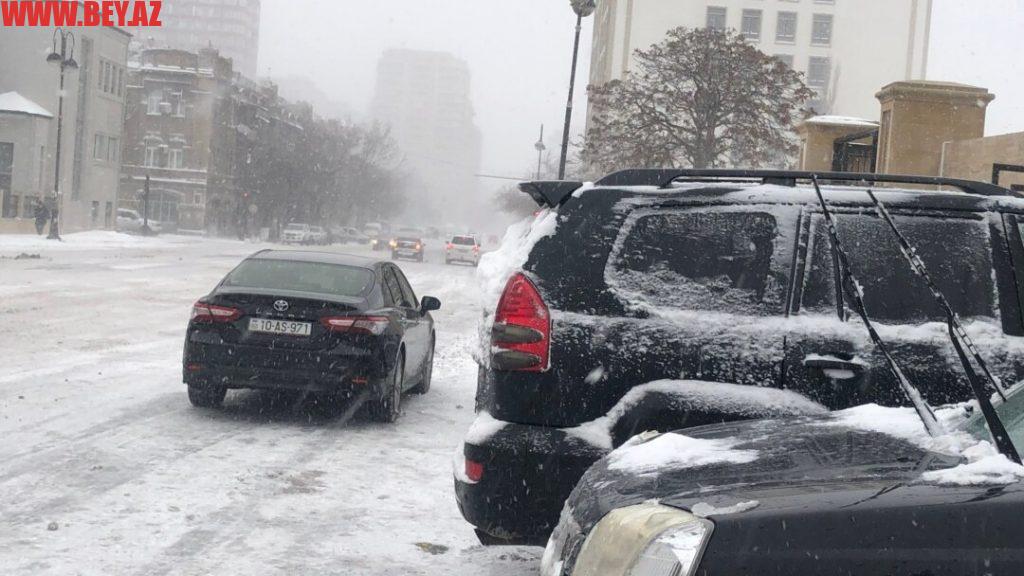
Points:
point(105, 468)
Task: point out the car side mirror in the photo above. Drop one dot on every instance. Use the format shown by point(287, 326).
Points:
point(429, 304)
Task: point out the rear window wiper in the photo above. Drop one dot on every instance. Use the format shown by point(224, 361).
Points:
point(854, 291)
point(961, 340)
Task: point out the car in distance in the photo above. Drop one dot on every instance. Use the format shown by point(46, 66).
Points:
point(462, 249)
point(295, 233)
point(317, 236)
point(408, 244)
point(130, 221)
point(654, 276)
point(315, 322)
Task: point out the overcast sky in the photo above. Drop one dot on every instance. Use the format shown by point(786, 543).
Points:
point(519, 50)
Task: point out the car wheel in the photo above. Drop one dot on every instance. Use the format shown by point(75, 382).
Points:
point(427, 372)
point(488, 540)
point(206, 397)
point(388, 408)
point(420, 258)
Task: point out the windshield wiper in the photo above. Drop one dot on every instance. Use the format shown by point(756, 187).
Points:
point(961, 341)
point(855, 293)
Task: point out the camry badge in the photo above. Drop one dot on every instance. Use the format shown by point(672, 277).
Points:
point(281, 305)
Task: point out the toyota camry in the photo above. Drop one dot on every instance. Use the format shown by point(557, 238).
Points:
point(313, 322)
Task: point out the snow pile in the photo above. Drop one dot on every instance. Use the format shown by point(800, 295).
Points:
point(984, 465)
point(699, 396)
point(92, 240)
point(483, 428)
point(678, 451)
point(705, 510)
point(498, 266)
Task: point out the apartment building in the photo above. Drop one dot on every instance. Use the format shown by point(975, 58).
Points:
point(425, 97)
point(94, 107)
point(230, 26)
point(846, 48)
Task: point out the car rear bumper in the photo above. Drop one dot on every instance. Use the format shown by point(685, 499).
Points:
point(529, 472)
point(462, 257)
point(238, 367)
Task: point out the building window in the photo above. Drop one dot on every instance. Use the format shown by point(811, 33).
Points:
point(106, 148)
point(197, 198)
point(152, 157)
point(108, 215)
point(819, 72)
point(821, 30)
point(94, 212)
point(786, 59)
point(10, 201)
point(785, 29)
point(716, 17)
point(110, 78)
point(752, 25)
point(153, 102)
point(177, 159)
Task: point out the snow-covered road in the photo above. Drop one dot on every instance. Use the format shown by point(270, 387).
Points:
point(106, 469)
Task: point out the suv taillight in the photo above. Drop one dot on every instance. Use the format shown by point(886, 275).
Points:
point(203, 313)
point(373, 325)
point(521, 337)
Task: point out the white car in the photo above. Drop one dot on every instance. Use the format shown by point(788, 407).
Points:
point(296, 233)
point(462, 248)
point(131, 222)
point(317, 235)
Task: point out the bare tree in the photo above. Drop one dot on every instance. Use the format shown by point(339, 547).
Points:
point(701, 98)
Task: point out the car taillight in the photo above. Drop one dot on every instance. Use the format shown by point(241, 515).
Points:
point(448, 246)
point(374, 325)
point(476, 249)
point(203, 313)
point(474, 470)
point(521, 335)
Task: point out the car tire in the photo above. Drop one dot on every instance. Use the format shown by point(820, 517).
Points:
point(489, 540)
point(206, 396)
point(394, 256)
point(447, 262)
point(427, 372)
point(387, 409)
point(419, 258)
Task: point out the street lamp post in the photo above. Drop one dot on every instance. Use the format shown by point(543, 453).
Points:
point(65, 59)
point(540, 147)
point(582, 8)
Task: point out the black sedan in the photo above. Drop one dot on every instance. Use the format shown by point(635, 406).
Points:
point(799, 497)
point(313, 322)
point(408, 247)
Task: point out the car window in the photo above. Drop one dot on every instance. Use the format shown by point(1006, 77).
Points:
point(957, 252)
point(715, 261)
point(407, 293)
point(464, 241)
point(394, 287)
point(295, 276)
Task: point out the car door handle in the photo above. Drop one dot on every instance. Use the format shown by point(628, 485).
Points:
point(836, 368)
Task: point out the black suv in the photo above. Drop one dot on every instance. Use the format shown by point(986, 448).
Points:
point(656, 281)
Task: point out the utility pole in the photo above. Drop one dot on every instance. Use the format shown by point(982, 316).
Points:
point(540, 147)
point(582, 8)
point(66, 61)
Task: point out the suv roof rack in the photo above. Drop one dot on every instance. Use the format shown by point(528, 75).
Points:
point(663, 178)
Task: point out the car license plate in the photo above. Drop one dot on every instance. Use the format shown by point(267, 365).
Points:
point(283, 327)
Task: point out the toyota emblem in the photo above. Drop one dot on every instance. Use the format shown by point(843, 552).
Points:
point(281, 305)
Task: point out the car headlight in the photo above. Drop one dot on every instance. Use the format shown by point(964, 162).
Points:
point(644, 540)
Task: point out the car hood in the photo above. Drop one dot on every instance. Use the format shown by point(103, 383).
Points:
point(812, 496)
point(781, 462)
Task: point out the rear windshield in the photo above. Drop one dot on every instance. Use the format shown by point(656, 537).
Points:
point(464, 241)
point(716, 261)
point(316, 277)
point(957, 252)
